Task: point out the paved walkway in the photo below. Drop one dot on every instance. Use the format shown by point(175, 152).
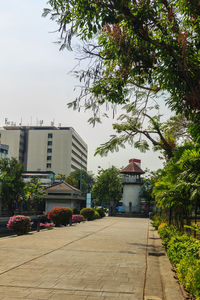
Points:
point(107, 259)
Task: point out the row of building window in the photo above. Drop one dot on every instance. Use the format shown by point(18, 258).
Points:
point(80, 157)
point(78, 163)
point(75, 139)
point(49, 150)
point(77, 148)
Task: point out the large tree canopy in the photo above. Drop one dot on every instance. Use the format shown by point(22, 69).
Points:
point(150, 45)
point(108, 188)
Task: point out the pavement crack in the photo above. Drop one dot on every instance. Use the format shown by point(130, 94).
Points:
point(69, 289)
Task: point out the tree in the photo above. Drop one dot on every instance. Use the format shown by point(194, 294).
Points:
point(11, 184)
point(108, 188)
point(80, 179)
point(139, 128)
point(177, 185)
point(83, 180)
point(146, 190)
point(146, 45)
point(33, 194)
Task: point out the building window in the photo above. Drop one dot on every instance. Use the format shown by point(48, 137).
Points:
point(49, 150)
point(50, 135)
point(48, 157)
point(49, 143)
point(48, 165)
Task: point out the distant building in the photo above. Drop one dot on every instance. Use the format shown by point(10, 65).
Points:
point(132, 183)
point(46, 178)
point(50, 148)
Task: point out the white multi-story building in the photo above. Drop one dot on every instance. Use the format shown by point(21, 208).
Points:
point(40, 148)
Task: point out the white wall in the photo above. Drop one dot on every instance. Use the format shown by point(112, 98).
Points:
point(61, 151)
point(131, 194)
point(63, 203)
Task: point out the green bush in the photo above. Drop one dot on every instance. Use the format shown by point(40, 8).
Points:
point(188, 272)
point(157, 220)
point(101, 212)
point(76, 211)
point(193, 279)
point(166, 233)
point(182, 246)
point(87, 213)
point(96, 215)
point(60, 215)
point(183, 266)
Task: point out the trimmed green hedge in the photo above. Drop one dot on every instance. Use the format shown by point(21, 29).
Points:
point(183, 251)
point(88, 213)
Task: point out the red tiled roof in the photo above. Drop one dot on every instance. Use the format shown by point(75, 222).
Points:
point(132, 168)
point(62, 186)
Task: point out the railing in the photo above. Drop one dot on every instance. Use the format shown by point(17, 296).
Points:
point(132, 180)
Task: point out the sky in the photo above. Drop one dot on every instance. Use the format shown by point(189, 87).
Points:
point(36, 84)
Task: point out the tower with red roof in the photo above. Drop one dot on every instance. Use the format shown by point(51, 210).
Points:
point(132, 183)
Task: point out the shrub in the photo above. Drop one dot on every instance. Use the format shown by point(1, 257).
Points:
point(188, 272)
point(77, 218)
point(166, 233)
point(101, 212)
point(157, 220)
point(161, 226)
point(76, 211)
point(47, 225)
point(192, 279)
point(60, 215)
point(19, 224)
point(182, 246)
point(87, 213)
point(96, 215)
point(183, 266)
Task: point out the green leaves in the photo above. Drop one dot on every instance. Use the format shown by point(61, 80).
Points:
point(148, 45)
point(108, 186)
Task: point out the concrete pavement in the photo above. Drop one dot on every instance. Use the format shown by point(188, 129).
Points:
point(106, 259)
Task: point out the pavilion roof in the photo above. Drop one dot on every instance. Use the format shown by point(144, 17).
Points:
point(132, 168)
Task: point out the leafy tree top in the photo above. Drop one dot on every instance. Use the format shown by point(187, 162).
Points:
point(151, 45)
point(80, 179)
point(108, 186)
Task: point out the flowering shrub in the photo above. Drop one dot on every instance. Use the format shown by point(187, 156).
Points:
point(88, 213)
point(77, 218)
point(19, 224)
point(60, 215)
point(47, 225)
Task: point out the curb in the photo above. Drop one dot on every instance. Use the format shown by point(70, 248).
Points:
point(171, 288)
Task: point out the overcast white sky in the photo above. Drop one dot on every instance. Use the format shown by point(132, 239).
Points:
point(35, 83)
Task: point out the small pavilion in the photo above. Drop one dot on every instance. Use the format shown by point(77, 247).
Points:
point(63, 194)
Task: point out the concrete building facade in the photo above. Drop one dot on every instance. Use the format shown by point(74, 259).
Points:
point(40, 148)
